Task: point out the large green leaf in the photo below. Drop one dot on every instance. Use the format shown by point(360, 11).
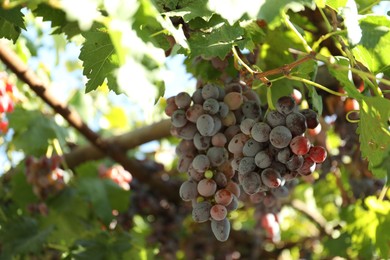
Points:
point(11, 23)
point(99, 59)
point(374, 46)
point(375, 134)
point(217, 42)
point(192, 10)
point(58, 20)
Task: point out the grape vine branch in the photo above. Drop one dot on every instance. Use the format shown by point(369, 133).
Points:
point(111, 148)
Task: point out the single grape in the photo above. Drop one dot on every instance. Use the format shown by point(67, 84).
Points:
point(285, 105)
point(229, 119)
point(170, 109)
point(183, 100)
point(279, 167)
point(201, 211)
point(217, 155)
point(280, 137)
point(252, 147)
point(308, 167)
point(295, 162)
point(296, 122)
point(219, 140)
point(211, 106)
point(284, 155)
point(202, 143)
point(207, 187)
point(197, 97)
point(223, 110)
point(194, 112)
point(178, 118)
point(210, 91)
point(237, 143)
point(227, 169)
point(234, 100)
point(251, 109)
point(188, 190)
point(220, 179)
point(194, 174)
point(300, 145)
point(233, 188)
point(246, 125)
point(186, 147)
point(311, 118)
point(218, 212)
point(205, 124)
point(271, 178)
point(223, 197)
point(187, 132)
point(221, 229)
point(317, 154)
point(184, 162)
point(260, 132)
point(263, 159)
point(201, 163)
point(247, 164)
point(250, 182)
point(274, 118)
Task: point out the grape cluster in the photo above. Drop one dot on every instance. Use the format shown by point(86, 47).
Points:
point(117, 174)
point(6, 101)
point(227, 145)
point(44, 175)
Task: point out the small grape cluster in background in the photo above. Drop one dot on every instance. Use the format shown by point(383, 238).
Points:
point(6, 101)
point(229, 145)
point(117, 174)
point(45, 175)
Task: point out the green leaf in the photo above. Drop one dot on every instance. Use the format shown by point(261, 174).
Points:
point(58, 20)
point(216, 43)
point(99, 59)
point(271, 11)
point(336, 4)
point(374, 46)
point(192, 10)
point(375, 134)
point(117, 117)
point(32, 127)
point(316, 100)
point(11, 23)
point(22, 192)
point(22, 235)
point(342, 75)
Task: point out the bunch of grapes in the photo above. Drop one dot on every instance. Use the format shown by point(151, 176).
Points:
point(6, 101)
point(45, 176)
point(117, 174)
point(227, 145)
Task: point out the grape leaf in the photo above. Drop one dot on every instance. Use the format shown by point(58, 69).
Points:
point(218, 42)
point(57, 17)
point(99, 59)
point(374, 46)
point(336, 4)
point(191, 11)
point(11, 23)
point(343, 77)
point(22, 235)
point(375, 134)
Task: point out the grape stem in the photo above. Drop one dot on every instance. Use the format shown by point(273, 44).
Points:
point(315, 84)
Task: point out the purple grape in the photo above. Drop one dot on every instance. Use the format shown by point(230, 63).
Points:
point(178, 118)
point(260, 132)
point(202, 143)
point(283, 155)
point(210, 91)
point(183, 100)
point(201, 212)
point(271, 178)
point(295, 162)
point(211, 106)
point(194, 112)
point(201, 163)
point(221, 229)
point(251, 148)
point(263, 159)
point(280, 137)
point(205, 124)
point(274, 118)
point(217, 155)
point(311, 116)
point(251, 109)
point(285, 105)
point(188, 190)
point(247, 164)
point(296, 122)
point(251, 182)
